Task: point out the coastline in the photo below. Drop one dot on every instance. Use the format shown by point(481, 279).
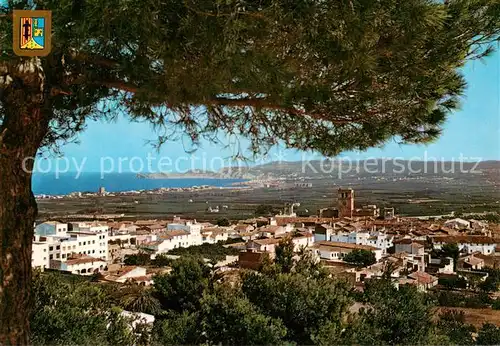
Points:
point(118, 184)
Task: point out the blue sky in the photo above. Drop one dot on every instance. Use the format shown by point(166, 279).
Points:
point(473, 132)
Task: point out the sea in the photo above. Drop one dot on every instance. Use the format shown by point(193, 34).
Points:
point(65, 183)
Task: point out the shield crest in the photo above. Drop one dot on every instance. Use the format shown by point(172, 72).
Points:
point(32, 32)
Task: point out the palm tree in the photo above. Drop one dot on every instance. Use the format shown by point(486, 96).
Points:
point(138, 298)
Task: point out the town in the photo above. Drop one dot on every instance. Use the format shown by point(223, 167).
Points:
point(352, 243)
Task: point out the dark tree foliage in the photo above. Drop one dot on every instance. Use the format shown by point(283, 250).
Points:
point(492, 282)
point(284, 253)
point(452, 324)
point(228, 317)
point(162, 260)
point(140, 259)
point(183, 287)
point(215, 252)
point(265, 210)
point(451, 250)
point(392, 316)
point(489, 334)
point(177, 328)
point(321, 75)
point(223, 222)
point(137, 298)
point(77, 312)
point(304, 304)
point(360, 257)
point(453, 282)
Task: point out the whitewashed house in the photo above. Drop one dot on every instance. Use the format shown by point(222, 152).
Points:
point(80, 264)
point(40, 255)
point(337, 250)
point(467, 243)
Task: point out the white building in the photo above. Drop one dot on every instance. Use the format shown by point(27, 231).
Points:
point(214, 235)
point(467, 243)
point(138, 318)
point(303, 239)
point(375, 239)
point(337, 250)
point(457, 223)
point(80, 264)
point(409, 246)
point(175, 237)
point(193, 229)
point(54, 242)
point(127, 273)
point(40, 255)
point(51, 228)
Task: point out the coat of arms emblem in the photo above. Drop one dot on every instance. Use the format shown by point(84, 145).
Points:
point(32, 32)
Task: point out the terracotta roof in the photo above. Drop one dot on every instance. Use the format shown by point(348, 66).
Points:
point(175, 233)
point(469, 239)
point(270, 229)
point(346, 245)
point(268, 241)
point(152, 243)
point(156, 226)
point(423, 277)
point(303, 234)
point(405, 241)
point(332, 248)
point(243, 228)
point(212, 229)
point(472, 260)
point(82, 260)
point(283, 220)
point(142, 278)
point(145, 222)
point(124, 270)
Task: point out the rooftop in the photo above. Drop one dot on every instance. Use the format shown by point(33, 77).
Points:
point(422, 277)
point(82, 259)
point(346, 245)
point(467, 239)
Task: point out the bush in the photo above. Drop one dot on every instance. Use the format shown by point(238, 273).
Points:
point(454, 282)
point(496, 304)
point(462, 300)
point(216, 252)
point(265, 210)
point(223, 222)
point(140, 259)
point(361, 258)
point(77, 312)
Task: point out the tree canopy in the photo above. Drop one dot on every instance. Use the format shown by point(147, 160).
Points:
point(316, 75)
point(323, 75)
point(360, 257)
point(196, 305)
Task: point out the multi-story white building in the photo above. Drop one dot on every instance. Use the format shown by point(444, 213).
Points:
point(51, 228)
point(467, 243)
point(54, 242)
point(214, 235)
point(337, 250)
point(90, 243)
point(193, 230)
point(80, 264)
point(379, 240)
point(40, 255)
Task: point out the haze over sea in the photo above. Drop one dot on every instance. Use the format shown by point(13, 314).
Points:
point(50, 184)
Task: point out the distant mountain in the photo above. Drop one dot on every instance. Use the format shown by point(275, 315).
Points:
point(333, 168)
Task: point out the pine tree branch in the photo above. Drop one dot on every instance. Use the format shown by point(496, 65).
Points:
point(263, 103)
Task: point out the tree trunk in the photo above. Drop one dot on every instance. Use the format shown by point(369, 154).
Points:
point(24, 125)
